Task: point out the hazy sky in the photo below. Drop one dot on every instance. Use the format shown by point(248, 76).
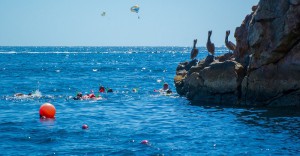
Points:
point(79, 22)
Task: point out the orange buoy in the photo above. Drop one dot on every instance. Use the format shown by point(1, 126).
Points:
point(47, 110)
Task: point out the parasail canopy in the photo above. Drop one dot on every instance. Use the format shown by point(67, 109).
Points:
point(135, 9)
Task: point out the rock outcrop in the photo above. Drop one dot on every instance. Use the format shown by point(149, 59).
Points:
point(264, 69)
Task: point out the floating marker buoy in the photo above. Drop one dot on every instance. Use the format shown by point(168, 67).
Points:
point(47, 110)
point(84, 126)
point(145, 142)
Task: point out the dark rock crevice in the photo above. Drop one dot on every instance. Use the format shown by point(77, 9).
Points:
point(275, 99)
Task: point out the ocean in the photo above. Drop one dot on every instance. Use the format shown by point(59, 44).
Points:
point(120, 121)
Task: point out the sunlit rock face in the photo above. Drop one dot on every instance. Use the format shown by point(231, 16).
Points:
point(265, 67)
point(211, 81)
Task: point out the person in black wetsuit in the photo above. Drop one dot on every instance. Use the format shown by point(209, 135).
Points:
point(78, 96)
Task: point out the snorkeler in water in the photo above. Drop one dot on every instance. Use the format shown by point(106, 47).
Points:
point(101, 89)
point(21, 95)
point(165, 89)
point(109, 90)
point(78, 96)
point(35, 94)
point(91, 96)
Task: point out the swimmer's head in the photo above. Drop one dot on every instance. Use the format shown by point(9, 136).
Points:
point(166, 86)
point(79, 94)
point(101, 89)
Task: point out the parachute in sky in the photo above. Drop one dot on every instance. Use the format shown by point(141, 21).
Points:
point(135, 9)
point(103, 13)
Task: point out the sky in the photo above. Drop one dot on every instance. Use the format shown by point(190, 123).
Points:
point(79, 22)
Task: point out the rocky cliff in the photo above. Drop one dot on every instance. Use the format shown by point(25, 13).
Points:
point(264, 69)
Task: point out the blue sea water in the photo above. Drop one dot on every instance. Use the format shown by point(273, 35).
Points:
point(119, 122)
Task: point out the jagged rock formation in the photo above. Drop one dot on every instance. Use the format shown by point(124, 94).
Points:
point(264, 69)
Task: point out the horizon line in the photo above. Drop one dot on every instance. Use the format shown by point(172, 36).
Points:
point(98, 46)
